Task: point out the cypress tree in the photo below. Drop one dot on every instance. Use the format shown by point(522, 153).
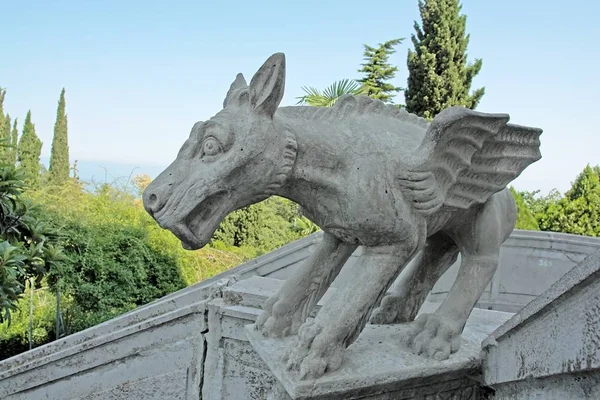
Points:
point(378, 71)
point(59, 155)
point(29, 151)
point(14, 141)
point(2, 117)
point(439, 76)
point(5, 141)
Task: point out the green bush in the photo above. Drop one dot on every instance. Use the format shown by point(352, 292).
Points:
point(14, 337)
point(27, 245)
point(264, 226)
point(525, 218)
point(112, 266)
point(118, 258)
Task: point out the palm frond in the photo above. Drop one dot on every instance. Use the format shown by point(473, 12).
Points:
point(329, 96)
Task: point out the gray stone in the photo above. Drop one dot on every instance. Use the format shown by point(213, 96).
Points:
point(105, 361)
point(572, 386)
point(376, 364)
point(553, 344)
point(371, 175)
point(158, 358)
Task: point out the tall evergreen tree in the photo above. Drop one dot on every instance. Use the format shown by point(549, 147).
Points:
point(29, 151)
point(14, 141)
point(2, 117)
point(59, 155)
point(378, 71)
point(5, 141)
point(439, 76)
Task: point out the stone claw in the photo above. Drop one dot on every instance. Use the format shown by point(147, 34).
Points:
point(266, 314)
point(434, 336)
point(386, 313)
point(280, 318)
point(315, 353)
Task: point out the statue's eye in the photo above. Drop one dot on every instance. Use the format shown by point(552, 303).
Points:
point(211, 147)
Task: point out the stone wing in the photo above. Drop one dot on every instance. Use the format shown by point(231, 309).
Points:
point(466, 157)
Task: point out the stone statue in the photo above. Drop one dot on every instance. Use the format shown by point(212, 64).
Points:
point(371, 175)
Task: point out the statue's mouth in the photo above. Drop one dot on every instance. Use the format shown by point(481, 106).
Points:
point(196, 229)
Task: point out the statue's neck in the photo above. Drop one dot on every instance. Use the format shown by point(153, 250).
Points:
point(318, 165)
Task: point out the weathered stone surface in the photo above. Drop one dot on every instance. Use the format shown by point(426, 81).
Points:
point(156, 359)
point(378, 366)
point(530, 262)
point(368, 174)
point(233, 369)
point(552, 342)
point(572, 386)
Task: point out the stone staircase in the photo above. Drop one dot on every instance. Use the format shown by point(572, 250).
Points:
point(193, 344)
point(551, 348)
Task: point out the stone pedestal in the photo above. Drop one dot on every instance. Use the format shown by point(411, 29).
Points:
point(378, 366)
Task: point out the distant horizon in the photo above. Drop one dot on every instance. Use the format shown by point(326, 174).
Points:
point(88, 169)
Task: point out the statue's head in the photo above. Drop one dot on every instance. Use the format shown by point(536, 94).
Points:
point(238, 157)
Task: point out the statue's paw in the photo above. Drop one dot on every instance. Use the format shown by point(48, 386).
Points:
point(387, 312)
point(266, 314)
point(315, 353)
point(434, 336)
point(276, 327)
point(279, 318)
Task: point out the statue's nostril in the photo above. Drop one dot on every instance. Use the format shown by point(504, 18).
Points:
point(153, 202)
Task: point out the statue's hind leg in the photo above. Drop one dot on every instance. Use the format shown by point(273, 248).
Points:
point(479, 239)
point(285, 311)
point(417, 280)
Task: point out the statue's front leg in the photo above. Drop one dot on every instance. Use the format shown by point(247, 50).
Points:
point(321, 342)
point(437, 334)
point(285, 311)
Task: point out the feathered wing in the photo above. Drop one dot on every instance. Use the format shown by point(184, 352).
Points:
point(466, 157)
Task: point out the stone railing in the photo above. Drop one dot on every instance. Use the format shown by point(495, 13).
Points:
point(551, 348)
point(162, 350)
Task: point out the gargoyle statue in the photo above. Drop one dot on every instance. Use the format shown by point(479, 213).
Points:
point(371, 175)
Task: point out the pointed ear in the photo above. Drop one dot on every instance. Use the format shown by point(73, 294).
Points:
point(239, 83)
point(267, 85)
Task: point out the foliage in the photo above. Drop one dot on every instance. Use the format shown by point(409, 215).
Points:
point(7, 148)
point(29, 151)
point(439, 76)
point(111, 266)
point(525, 217)
point(119, 258)
point(378, 71)
point(59, 155)
point(264, 226)
point(328, 97)
point(14, 338)
point(2, 116)
point(578, 212)
point(14, 140)
point(141, 182)
point(26, 248)
point(5, 138)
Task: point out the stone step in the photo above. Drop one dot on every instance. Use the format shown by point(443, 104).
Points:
point(551, 348)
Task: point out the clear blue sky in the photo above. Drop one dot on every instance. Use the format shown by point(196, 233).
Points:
point(138, 74)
